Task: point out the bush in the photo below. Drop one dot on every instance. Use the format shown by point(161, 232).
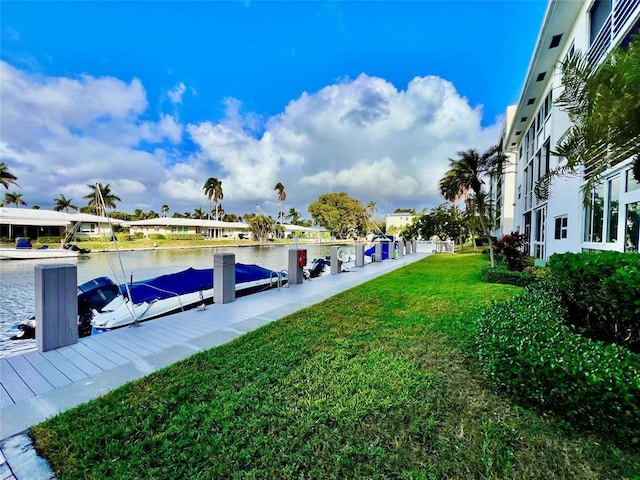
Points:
point(525, 347)
point(511, 247)
point(500, 274)
point(156, 236)
point(602, 293)
point(123, 237)
point(50, 239)
point(138, 235)
point(184, 236)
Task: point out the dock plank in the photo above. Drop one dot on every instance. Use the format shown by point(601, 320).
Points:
point(54, 376)
point(109, 341)
point(115, 357)
point(80, 361)
point(5, 399)
point(67, 368)
point(15, 386)
point(30, 375)
point(93, 356)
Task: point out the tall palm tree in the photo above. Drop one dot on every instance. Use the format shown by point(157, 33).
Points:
point(213, 191)
point(282, 196)
point(466, 174)
point(64, 203)
point(293, 215)
point(165, 209)
point(15, 198)
point(6, 177)
point(99, 191)
point(371, 208)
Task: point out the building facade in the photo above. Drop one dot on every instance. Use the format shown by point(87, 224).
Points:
point(559, 221)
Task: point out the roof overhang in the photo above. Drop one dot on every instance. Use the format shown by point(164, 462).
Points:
point(558, 21)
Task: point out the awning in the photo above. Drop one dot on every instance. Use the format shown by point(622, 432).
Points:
point(34, 222)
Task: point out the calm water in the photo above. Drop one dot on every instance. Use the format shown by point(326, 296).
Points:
point(17, 298)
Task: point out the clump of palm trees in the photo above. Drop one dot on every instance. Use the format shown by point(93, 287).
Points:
point(213, 191)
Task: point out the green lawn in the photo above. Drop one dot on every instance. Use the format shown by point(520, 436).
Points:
point(372, 383)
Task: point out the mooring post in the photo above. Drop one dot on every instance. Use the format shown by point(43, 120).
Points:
point(297, 261)
point(359, 255)
point(56, 290)
point(224, 277)
point(336, 264)
point(378, 252)
point(407, 246)
point(400, 248)
point(414, 248)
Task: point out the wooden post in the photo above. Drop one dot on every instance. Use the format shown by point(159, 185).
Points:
point(56, 290)
point(224, 277)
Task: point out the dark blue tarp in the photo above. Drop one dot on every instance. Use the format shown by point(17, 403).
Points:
point(188, 281)
point(22, 243)
point(385, 251)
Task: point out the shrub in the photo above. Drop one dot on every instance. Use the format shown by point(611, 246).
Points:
point(138, 235)
point(123, 237)
point(511, 247)
point(602, 293)
point(525, 347)
point(500, 274)
point(156, 236)
point(184, 236)
point(50, 239)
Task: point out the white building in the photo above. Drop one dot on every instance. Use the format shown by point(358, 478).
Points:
point(206, 228)
point(503, 187)
point(395, 222)
point(561, 223)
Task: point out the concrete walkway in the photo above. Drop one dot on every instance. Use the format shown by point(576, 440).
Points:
point(35, 386)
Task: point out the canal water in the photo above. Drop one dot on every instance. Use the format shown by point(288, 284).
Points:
point(17, 290)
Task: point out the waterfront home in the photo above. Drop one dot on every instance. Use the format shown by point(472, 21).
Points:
point(38, 223)
point(190, 226)
point(559, 221)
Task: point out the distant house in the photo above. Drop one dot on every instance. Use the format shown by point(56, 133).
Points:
point(34, 224)
point(194, 226)
point(395, 222)
point(306, 232)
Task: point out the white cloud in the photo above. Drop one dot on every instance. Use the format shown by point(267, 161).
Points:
point(363, 136)
point(175, 94)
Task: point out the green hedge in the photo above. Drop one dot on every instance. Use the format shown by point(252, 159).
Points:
point(525, 347)
point(500, 274)
point(156, 236)
point(602, 293)
point(184, 236)
point(50, 239)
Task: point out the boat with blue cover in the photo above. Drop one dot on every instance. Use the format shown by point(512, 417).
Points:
point(171, 293)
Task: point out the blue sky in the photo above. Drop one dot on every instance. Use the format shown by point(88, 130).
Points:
point(370, 98)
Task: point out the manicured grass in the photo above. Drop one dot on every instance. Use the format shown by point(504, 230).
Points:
point(372, 383)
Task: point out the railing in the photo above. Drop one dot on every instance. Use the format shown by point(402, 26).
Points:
point(430, 246)
point(622, 13)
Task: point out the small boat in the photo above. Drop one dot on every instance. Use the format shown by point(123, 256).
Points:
point(25, 251)
point(175, 292)
point(92, 296)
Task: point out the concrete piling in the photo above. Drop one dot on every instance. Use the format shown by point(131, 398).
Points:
point(224, 277)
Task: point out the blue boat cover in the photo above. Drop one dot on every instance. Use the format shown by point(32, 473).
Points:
point(22, 243)
point(385, 251)
point(188, 281)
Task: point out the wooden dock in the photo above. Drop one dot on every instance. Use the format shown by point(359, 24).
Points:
point(35, 386)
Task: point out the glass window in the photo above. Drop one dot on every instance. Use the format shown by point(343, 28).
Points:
point(594, 215)
point(632, 227)
point(613, 204)
point(632, 183)
point(561, 230)
point(598, 16)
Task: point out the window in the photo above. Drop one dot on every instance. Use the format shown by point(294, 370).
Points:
point(613, 204)
point(562, 227)
point(632, 228)
point(179, 229)
point(87, 227)
point(594, 215)
point(632, 183)
point(598, 16)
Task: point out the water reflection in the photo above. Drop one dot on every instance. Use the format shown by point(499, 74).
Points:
point(17, 302)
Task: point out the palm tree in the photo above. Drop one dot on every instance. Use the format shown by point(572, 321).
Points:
point(466, 174)
point(213, 191)
point(282, 196)
point(293, 215)
point(371, 208)
point(64, 203)
point(98, 192)
point(15, 198)
point(165, 209)
point(6, 177)
point(197, 213)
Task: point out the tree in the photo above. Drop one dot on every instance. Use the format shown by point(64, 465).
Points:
point(603, 104)
point(282, 196)
point(197, 213)
point(165, 209)
point(101, 193)
point(15, 198)
point(293, 216)
point(64, 203)
point(213, 191)
point(6, 177)
point(339, 213)
point(262, 227)
point(466, 174)
point(230, 217)
point(441, 221)
point(371, 208)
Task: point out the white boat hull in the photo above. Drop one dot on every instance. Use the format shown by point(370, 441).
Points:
point(35, 253)
point(120, 312)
